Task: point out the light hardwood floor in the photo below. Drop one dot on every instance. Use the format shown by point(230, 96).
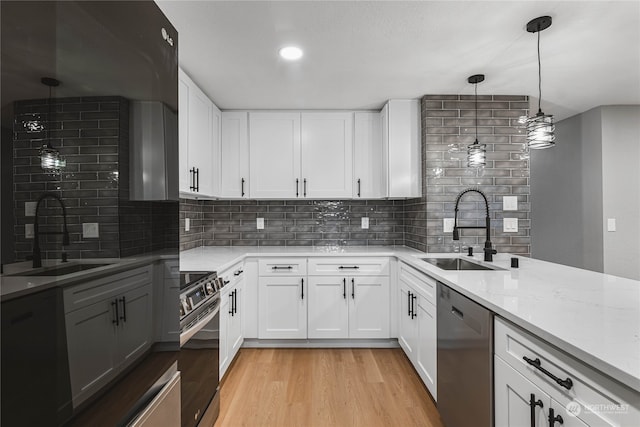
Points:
point(324, 388)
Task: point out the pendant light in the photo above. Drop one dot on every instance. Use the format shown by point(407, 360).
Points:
point(476, 153)
point(540, 128)
point(50, 159)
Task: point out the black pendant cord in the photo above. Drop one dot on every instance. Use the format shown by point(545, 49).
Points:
point(49, 121)
point(539, 78)
point(475, 86)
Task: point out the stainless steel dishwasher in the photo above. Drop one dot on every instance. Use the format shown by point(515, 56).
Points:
point(465, 361)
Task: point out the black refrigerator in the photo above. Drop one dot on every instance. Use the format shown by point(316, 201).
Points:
point(84, 84)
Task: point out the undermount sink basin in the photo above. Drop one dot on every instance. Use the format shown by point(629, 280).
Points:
point(59, 270)
point(456, 264)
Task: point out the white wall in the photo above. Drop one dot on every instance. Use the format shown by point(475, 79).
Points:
point(593, 173)
point(621, 189)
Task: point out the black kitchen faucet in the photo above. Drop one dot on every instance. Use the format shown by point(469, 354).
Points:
point(488, 250)
point(37, 256)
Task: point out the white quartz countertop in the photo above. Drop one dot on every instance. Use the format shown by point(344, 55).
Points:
point(594, 317)
point(14, 285)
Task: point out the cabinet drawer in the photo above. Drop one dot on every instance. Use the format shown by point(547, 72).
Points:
point(282, 267)
point(602, 400)
point(330, 266)
point(423, 284)
point(79, 296)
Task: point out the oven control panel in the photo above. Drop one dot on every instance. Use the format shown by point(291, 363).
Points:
point(197, 293)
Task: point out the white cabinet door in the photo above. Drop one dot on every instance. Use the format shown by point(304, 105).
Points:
point(225, 304)
point(369, 170)
point(135, 328)
point(327, 155)
point(402, 144)
point(328, 307)
point(282, 307)
point(234, 159)
point(427, 355)
point(408, 326)
point(91, 343)
point(368, 298)
point(513, 392)
point(274, 155)
point(200, 149)
point(213, 167)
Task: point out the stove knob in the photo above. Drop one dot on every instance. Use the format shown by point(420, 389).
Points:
point(209, 288)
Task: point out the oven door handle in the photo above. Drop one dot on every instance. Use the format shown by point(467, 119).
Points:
point(186, 335)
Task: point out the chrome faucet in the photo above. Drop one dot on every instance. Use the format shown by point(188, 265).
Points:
point(37, 256)
point(488, 250)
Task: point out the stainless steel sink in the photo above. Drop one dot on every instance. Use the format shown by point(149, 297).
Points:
point(59, 270)
point(456, 264)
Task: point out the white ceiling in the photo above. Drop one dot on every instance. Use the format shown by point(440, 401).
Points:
point(358, 54)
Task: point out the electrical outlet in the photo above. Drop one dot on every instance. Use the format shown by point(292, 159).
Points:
point(611, 224)
point(510, 225)
point(365, 223)
point(260, 223)
point(28, 231)
point(30, 208)
point(187, 224)
point(447, 225)
point(510, 203)
point(90, 230)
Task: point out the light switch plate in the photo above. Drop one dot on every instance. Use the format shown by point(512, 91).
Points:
point(28, 231)
point(187, 224)
point(510, 203)
point(447, 225)
point(90, 230)
point(260, 223)
point(30, 208)
point(365, 223)
point(510, 225)
point(611, 224)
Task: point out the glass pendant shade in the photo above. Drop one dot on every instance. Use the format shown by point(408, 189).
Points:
point(476, 155)
point(540, 131)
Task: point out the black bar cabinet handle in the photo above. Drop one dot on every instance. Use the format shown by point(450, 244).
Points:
point(408, 303)
point(116, 318)
point(344, 288)
point(242, 187)
point(231, 303)
point(235, 301)
point(349, 267)
point(304, 187)
point(277, 267)
point(198, 179)
point(413, 307)
point(532, 405)
point(192, 178)
point(353, 288)
point(538, 365)
point(124, 309)
point(297, 186)
point(358, 187)
point(302, 289)
point(553, 419)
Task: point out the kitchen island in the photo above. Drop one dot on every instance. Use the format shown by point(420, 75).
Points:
point(591, 316)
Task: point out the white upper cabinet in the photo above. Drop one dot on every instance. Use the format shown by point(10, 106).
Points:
point(199, 131)
point(369, 169)
point(234, 160)
point(274, 155)
point(327, 155)
point(401, 139)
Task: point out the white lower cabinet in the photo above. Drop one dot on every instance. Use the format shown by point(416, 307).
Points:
point(527, 393)
point(282, 308)
point(348, 307)
point(417, 326)
point(231, 316)
point(109, 326)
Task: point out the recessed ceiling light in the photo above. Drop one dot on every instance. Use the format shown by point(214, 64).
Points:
point(291, 53)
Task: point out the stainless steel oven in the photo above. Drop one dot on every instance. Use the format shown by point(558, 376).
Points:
point(199, 348)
